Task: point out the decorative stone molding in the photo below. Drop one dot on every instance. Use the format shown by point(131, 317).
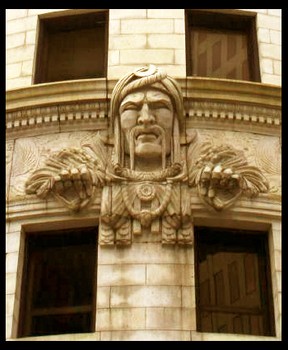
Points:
point(85, 104)
point(231, 91)
point(94, 115)
point(57, 93)
point(233, 112)
point(27, 121)
point(146, 177)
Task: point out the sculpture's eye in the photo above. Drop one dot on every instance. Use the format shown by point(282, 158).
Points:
point(159, 105)
point(129, 107)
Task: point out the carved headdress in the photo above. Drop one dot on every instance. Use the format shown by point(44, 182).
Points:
point(155, 78)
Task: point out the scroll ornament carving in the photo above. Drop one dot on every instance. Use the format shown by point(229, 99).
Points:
point(146, 182)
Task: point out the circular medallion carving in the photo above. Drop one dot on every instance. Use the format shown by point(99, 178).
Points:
point(146, 192)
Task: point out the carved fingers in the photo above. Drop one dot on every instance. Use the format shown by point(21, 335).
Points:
point(215, 178)
point(77, 178)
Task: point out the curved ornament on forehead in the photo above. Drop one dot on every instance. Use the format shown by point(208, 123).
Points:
point(145, 72)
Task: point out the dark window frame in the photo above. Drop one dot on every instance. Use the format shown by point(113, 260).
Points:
point(66, 22)
point(222, 21)
point(38, 245)
point(232, 240)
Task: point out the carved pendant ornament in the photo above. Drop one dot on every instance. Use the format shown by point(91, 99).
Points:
point(146, 182)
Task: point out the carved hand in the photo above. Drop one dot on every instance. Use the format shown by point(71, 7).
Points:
point(79, 178)
point(222, 174)
point(218, 178)
point(71, 175)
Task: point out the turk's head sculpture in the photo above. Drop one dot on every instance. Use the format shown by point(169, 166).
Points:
point(146, 183)
point(147, 117)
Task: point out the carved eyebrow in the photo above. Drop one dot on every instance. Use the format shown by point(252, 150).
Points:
point(160, 102)
point(129, 104)
point(152, 102)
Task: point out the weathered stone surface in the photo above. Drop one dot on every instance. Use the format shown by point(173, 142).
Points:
point(146, 179)
point(114, 275)
point(145, 296)
point(144, 195)
point(120, 319)
point(170, 274)
point(146, 335)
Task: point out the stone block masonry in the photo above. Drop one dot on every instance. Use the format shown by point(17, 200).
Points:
point(136, 37)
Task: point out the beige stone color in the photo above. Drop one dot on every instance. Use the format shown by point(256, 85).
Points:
point(147, 176)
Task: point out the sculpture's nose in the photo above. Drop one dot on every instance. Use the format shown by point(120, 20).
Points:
point(146, 116)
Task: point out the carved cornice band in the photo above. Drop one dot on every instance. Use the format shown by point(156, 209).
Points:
point(55, 114)
point(235, 112)
point(147, 179)
point(83, 102)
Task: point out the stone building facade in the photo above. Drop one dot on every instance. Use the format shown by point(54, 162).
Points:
point(146, 287)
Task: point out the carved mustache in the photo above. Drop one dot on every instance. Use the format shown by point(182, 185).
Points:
point(140, 130)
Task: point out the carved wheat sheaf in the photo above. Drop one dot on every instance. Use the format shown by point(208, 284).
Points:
point(71, 175)
point(222, 174)
point(146, 178)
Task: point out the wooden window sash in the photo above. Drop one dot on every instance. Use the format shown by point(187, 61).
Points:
point(212, 21)
point(265, 289)
point(30, 312)
point(48, 25)
point(232, 309)
point(61, 310)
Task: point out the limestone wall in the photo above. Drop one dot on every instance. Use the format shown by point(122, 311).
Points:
point(136, 37)
point(145, 291)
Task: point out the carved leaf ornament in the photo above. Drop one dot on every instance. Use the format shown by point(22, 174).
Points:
point(136, 197)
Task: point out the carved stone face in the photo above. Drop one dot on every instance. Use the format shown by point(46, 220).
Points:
point(146, 119)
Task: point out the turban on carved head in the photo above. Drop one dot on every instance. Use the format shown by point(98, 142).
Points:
point(147, 76)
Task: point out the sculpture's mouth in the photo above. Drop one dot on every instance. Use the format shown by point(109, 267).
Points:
point(147, 134)
point(147, 137)
point(150, 139)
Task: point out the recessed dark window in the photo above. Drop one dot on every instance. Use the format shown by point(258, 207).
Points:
point(72, 47)
point(58, 293)
point(221, 45)
point(233, 286)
